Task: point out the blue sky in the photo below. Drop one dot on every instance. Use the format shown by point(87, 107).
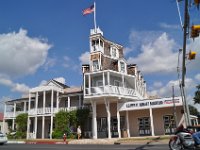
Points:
point(49, 39)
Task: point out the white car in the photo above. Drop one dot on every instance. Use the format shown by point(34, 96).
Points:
point(3, 138)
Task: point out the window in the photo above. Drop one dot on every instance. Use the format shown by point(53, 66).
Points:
point(169, 124)
point(114, 52)
point(122, 67)
point(95, 65)
point(144, 126)
point(95, 44)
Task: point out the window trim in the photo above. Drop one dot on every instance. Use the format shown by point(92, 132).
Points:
point(120, 66)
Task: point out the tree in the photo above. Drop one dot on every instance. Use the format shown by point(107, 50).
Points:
point(193, 110)
point(61, 124)
point(197, 95)
point(82, 116)
point(21, 121)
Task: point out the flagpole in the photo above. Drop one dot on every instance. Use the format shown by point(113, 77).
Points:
point(95, 24)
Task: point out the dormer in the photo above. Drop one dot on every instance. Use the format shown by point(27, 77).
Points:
point(114, 52)
point(122, 67)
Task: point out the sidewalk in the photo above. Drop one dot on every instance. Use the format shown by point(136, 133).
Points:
point(132, 140)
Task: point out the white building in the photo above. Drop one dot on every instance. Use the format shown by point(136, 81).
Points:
point(116, 92)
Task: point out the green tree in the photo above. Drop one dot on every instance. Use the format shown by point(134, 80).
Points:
point(61, 124)
point(197, 95)
point(82, 117)
point(21, 121)
point(193, 111)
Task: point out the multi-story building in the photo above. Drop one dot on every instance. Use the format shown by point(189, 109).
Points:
point(116, 92)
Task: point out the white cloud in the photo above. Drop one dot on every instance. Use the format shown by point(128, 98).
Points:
point(20, 54)
point(157, 84)
point(15, 87)
point(84, 58)
point(166, 90)
point(157, 54)
point(197, 77)
point(43, 82)
point(169, 26)
point(50, 62)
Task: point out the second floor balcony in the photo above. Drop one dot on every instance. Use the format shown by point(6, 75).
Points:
point(109, 90)
point(112, 83)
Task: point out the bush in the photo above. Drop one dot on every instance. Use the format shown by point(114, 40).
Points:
point(20, 135)
point(57, 134)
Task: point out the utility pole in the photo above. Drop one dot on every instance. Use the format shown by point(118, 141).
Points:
point(185, 33)
point(174, 107)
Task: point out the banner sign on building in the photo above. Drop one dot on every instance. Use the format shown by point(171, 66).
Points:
point(146, 104)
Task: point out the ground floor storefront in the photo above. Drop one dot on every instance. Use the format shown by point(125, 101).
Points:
point(137, 118)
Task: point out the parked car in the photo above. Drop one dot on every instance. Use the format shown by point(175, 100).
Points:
point(3, 138)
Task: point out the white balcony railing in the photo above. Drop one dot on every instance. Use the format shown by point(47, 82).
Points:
point(40, 111)
point(12, 114)
point(115, 90)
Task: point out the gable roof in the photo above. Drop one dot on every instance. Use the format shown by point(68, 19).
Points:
point(58, 83)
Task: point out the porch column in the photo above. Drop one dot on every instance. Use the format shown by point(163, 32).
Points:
point(68, 103)
point(151, 119)
point(28, 128)
point(108, 77)
point(29, 102)
point(35, 136)
point(24, 106)
point(3, 127)
point(52, 102)
point(79, 101)
point(94, 120)
point(44, 101)
point(36, 103)
point(118, 123)
point(28, 119)
point(5, 106)
point(13, 121)
point(89, 80)
point(43, 126)
point(123, 81)
point(103, 82)
point(57, 101)
point(107, 104)
point(51, 129)
point(127, 124)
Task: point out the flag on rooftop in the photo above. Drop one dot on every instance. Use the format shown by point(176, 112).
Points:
point(88, 10)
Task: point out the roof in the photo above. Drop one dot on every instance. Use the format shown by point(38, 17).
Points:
point(1, 116)
point(73, 90)
point(18, 99)
point(61, 84)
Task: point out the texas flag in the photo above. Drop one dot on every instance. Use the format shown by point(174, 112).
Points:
point(88, 10)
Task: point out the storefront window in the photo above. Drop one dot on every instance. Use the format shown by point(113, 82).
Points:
point(169, 124)
point(144, 126)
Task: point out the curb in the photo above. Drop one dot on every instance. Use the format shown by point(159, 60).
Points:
point(36, 142)
point(46, 142)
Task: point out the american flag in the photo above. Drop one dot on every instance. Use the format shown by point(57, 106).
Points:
point(88, 10)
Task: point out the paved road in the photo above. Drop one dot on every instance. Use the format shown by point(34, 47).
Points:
point(83, 147)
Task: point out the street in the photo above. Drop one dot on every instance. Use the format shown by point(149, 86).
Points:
point(82, 147)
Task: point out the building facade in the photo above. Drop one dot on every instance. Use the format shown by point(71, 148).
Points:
point(114, 90)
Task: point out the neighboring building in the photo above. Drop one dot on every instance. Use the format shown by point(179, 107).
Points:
point(2, 124)
point(114, 90)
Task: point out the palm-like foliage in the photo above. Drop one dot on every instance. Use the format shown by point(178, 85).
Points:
point(197, 95)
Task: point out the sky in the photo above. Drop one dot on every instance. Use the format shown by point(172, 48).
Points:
point(49, 39)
